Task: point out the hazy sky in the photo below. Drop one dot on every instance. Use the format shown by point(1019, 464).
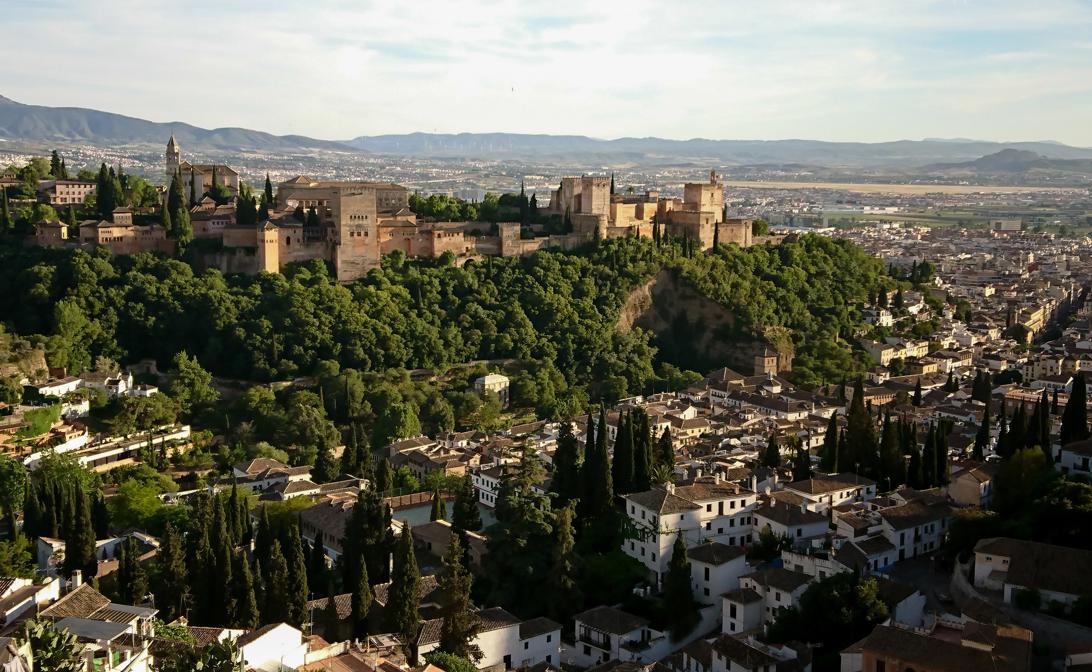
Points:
point(766, 69)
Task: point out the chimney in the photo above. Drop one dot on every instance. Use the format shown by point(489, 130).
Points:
point(670, 487)
point(76, 581)
point(697, 473)
point(754, 483)
point(716, 477)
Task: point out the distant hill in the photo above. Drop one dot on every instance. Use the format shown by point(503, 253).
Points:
point(1012, 160)
point(77, 124)
point(902, 154)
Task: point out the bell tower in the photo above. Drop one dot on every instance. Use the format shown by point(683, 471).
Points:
point(173, 156)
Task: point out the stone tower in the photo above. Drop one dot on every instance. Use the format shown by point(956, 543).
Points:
point(765, 363)
point(173, 156)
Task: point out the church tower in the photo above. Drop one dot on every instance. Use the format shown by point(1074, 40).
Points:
point(173, 156)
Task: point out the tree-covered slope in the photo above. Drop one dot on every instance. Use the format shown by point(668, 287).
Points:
point(561, 308)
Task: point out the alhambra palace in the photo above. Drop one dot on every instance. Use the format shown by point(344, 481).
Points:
point(359, 222)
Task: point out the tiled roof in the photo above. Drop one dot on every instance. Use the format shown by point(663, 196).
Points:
point(715, 553)
point(611, 620)
point(80, 603)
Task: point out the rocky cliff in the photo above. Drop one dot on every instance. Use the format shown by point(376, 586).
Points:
point(694, 332)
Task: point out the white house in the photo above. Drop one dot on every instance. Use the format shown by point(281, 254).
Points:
point(796, 522)
point(608, 633)
point(1075, 458)
point(495, 383)
point(20, 598)
point(916, 527)
point(707, 510)
point(759, 597)
point(825, 491)
point(715, 569)
point(1060, 574)
point(58, 387)
point(272, 648)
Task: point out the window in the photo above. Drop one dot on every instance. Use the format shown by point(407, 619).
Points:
point(777, 596)
point(526, 645)
point(549, 638)
point(706, 573)
point(654, 557)
point(707, 592)
point(732, 610)
point(549, 658)
point(587, 650)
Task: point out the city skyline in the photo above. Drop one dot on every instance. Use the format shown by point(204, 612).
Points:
point(843, 71)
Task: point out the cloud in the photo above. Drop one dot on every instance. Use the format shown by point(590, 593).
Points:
point(864, 70)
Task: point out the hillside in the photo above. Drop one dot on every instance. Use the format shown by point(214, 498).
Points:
point(77, 124)
point(1011, 160)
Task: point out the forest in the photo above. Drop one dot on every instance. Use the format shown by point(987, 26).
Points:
point(554, 307)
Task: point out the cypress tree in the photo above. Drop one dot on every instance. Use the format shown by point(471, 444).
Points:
point(679, 592)
point(80, 540)
point(943, 465)
point(716, 235)
point(351, 457)
point(384, 476)
point(917, 392)
point(325, 469)
point(361, 601)
point(1054, 403)
point(403, 600)
point(439, 509)
point(951, 385)
point(193, 188)
point(982, 438)
point(642, 450)
point(828, 456)
point(465, 515)
point(891, 463)
point(460, 625)
point(1075, 415)
point(246, 604)
point(567, 460)
point(183, 229)
point(622, 464)
point(1002, 438)
point(55, 165)
point(916, 468)
point(263, 539)
point(801, 465)
point(277, 605)
point(665, 450)
point(296, 591)
point(860, 447)
point(929, 459)
point(563, 597)
point(6, 221)
point(598, 489)
point(771, 457)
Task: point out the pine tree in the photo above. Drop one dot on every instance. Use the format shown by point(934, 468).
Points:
point(439, 509)
point(403, 601)
point(622, 464)
point(828, 456)
point(771, 457)
point(567, 460)
point(679, 592)
point(460, 624)
point(246, 604)
point(1075, 415)
point(466, 516)
point(982, 438)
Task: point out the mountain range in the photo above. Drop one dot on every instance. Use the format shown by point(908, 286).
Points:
point(42, 125)
point(37, 123)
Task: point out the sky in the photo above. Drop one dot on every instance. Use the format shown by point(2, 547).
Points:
point(872, 70)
